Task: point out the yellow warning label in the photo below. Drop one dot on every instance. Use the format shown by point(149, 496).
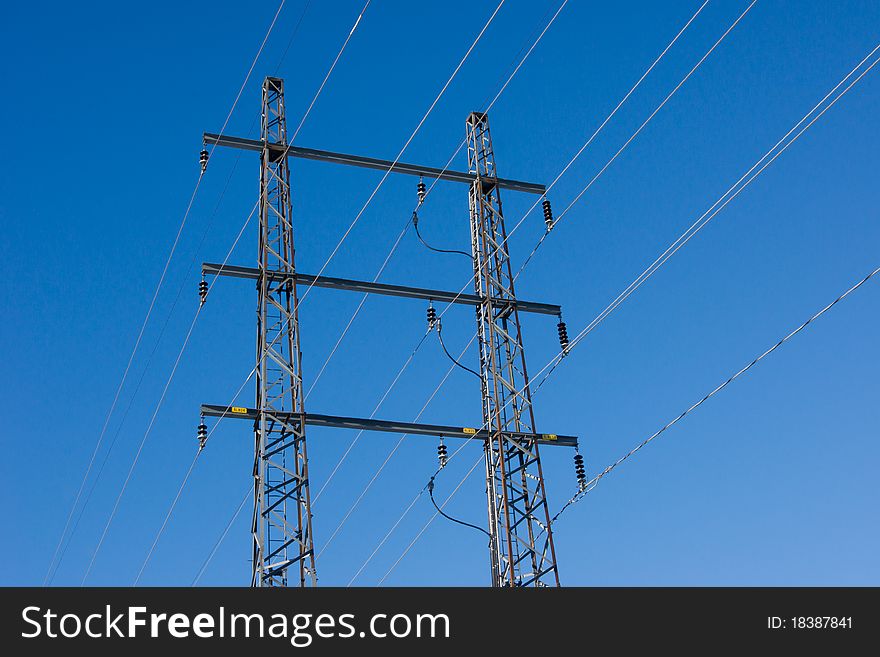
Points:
point(239, 409)
point(550, 436)
point(468, 430)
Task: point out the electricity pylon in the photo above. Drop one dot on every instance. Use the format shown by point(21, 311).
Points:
point(282, 519)
point(521, 550)
point(517, 503)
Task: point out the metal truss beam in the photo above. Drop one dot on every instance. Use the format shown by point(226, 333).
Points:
point(441, 296)
point(342, 422)
point(368, 162)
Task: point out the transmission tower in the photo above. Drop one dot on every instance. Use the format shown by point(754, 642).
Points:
point(283, 551)
point(517, 503)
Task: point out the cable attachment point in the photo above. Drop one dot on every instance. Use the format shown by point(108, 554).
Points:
point(432, 318)
point(548, 214)
point(441, 455)
point(421, 190)
point(579, 472)
point(203, 291)
point(203, 159)
point(202, 433)
point(563, 336)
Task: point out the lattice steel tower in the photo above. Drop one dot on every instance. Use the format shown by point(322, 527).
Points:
point(282, 521)
point(517, 504)
point(521, 549)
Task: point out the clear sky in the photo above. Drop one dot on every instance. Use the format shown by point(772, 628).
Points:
point(772, 482)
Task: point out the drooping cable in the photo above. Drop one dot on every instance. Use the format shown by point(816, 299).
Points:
point(156, 410)
point(449, 517)
point(388, 458)
point(450, 356)
point(221, 538)
point(402, 150)
point(428, 524)
point(595, 480)
point(422, 198)
point(415, 223)
point(645, 123)
point(150, 309)
point(551, 366)
point(719, 205)
point(301, 123)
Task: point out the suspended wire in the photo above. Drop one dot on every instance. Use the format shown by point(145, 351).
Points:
point(450, 356)
point(586, 144)
point(494, 100)
point(402, 517)
point(150, 311)
point(406, 226)
point(719, 205)
point(428, 524)
point(167, 517)
point(292, 36)
point(253, 371)
point(595, 480)
point(186, 480)
point(221, 538)
point(146, 368)
point(554, 362)
point(357, 437)
point(402, 150)
point(415, 223)
point(645, 123)
point(390, 455)
point(327, 76)
point(158, 407)
point(356, 312)
point(447, 516)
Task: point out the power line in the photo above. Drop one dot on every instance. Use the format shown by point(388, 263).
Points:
point(301, 123)
point(156, 410)
point(422, 198)
point(403, 149)
point(401, 518)
point(595, 480)
point(150, 309)
point(589, 140)
point(372, 414)
point(720, 204)
point(554, 362)
point(641, 127)
point(391, 454)
point(220, 539)
point(450, 356)
point(146, 368)
point(427, 524)
point(449, 517)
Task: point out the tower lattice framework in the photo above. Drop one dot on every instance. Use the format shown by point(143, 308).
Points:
point(521, 540)
point(283, 552)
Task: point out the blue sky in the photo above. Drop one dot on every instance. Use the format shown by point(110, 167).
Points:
point(772, 482)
